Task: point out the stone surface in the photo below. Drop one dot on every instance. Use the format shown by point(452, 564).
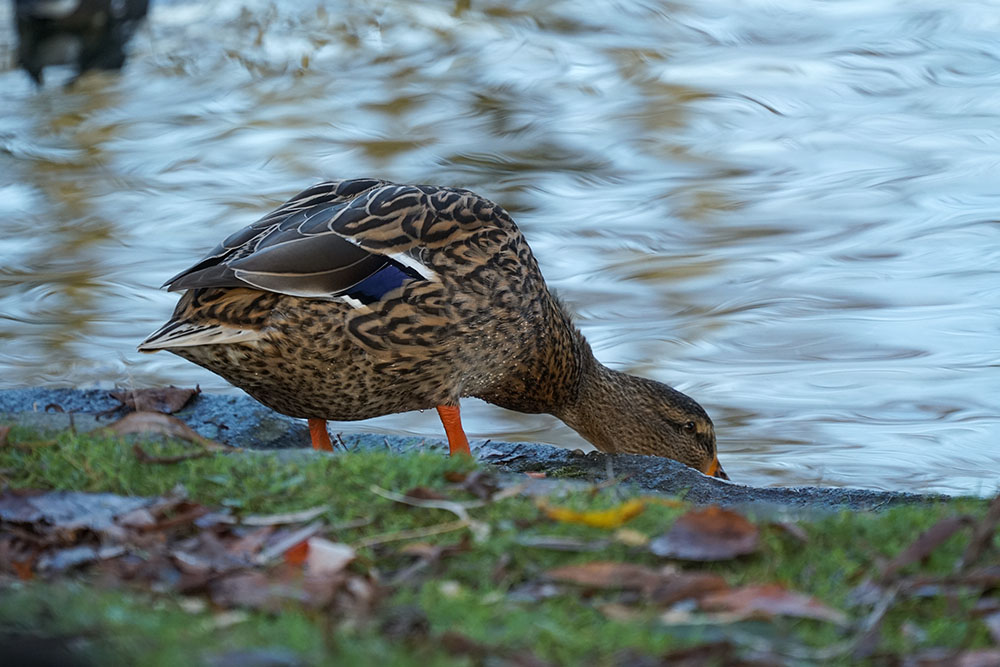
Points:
point(243, 422)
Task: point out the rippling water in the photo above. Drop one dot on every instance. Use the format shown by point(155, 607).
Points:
point(787, 210)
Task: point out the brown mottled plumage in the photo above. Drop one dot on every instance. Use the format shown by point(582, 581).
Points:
point(362, 298)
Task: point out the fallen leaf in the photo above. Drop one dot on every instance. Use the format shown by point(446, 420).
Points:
point(297, 554)
point(663, 586)
point(163, 399)
point(708, 534)
point(67, 511)
point(4, 432)
point(606, 519)
point(925, 544)
point(685, 586)
point(285, 540)
point(247, 589)
point(770, 600)
point(326, 557)
point(65, 559)
point(607, 575)
point(157, 423)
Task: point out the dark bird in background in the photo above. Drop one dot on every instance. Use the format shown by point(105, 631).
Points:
point(89, 34)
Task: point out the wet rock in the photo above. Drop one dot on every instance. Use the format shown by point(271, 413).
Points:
point(242, 421)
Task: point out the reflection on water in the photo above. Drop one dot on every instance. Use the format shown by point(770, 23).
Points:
point(788, 212)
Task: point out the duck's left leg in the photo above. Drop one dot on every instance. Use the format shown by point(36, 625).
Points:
point(320, 438)
point(452, 420)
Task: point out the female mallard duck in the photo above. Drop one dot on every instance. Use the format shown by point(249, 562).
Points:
point(362, 298)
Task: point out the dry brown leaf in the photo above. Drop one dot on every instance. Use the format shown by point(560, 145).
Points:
point(925, 544)
point(157, 423)
point(606, 519)
point(769, 600)
point(708, 534)
point(686, 586)
point(161, 399)
point(4, 432)
point(607, 575)
point(664, 586)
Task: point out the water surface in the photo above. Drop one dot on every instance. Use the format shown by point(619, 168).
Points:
point(787, 210)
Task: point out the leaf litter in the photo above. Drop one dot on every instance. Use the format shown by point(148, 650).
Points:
point(268, 562)
point(170, 543)
point(167, 400)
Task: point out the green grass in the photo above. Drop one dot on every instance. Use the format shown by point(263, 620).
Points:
point(484, 593)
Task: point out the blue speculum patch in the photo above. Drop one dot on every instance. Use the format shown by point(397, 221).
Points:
point(383, 281)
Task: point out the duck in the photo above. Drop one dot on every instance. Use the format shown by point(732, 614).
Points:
point(363, 297)
point(88, 34)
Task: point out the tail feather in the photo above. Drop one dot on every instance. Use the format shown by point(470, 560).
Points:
point(183, 333)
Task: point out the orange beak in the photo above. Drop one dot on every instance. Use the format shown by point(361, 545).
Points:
point(715, 469)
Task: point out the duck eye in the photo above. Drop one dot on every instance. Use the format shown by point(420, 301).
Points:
point(690, 427)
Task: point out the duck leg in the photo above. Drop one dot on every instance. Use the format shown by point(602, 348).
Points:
point(320, 438)
point(452, 420)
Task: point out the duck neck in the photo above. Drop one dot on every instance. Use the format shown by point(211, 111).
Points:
point(597, 401)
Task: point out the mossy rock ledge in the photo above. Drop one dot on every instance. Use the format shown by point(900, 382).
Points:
point(240, 421)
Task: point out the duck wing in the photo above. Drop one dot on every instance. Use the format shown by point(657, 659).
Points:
point(291, 250)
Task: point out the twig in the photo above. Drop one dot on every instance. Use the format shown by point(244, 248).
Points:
point(478, 528)
point(411, 534)
point(456, 508)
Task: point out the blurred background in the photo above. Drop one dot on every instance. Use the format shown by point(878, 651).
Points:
point(788, 210)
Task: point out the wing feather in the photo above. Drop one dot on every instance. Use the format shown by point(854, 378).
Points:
point(334, 235)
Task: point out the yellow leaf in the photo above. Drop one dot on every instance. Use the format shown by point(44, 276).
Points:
point(607, 519)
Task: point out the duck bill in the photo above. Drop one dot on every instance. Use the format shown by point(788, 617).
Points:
point(714, 469)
